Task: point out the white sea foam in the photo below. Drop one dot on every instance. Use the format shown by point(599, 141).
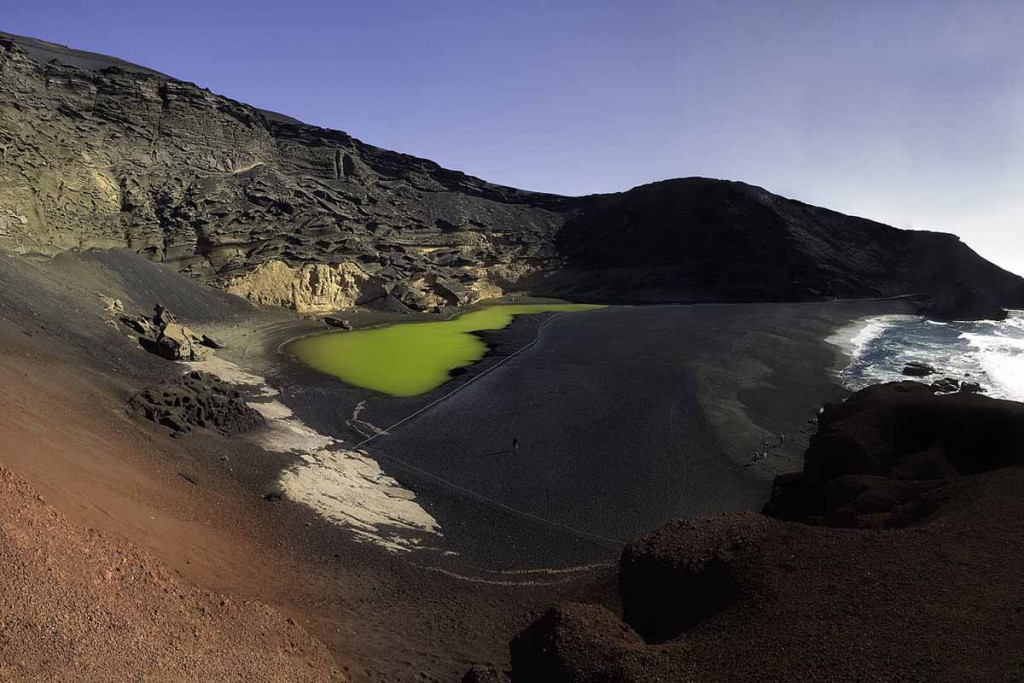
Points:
point(854, 338)
point(988, 352)
point(349, 488)
point(998, 348)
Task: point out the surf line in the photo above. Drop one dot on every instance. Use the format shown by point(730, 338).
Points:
point(572, 530)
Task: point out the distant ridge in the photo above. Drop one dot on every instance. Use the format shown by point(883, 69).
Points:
point(102, 153)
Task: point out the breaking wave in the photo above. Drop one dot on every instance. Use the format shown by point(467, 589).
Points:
point(988, 352)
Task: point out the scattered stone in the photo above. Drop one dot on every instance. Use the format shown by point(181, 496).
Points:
point(971, 388)
point(162, 316)
point(273, 497)
point(142, 326)
point(178, 342)
point(196, 399)
point(111, 306)
point(163, 335)
point(918, 369)
point(210, 342)
point(946, 385)
point(337, 322)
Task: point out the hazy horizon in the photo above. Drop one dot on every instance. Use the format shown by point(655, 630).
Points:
point(910, 114)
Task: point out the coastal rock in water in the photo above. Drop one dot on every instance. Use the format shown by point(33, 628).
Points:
point(918, 369)
point(971, 388)
point(878, 454)
point(196, 399)
point(946, 385)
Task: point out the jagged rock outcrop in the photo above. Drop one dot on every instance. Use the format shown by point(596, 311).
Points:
point(99, 153)
point(196, 399)
point(878, 455)
point(163, 335)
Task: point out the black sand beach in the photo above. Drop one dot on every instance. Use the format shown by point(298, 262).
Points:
point(625, 419)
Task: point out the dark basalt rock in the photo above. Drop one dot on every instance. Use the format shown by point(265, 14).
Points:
point(573, 642)
point(946, 385)
point(217, 189)
point(196, 399)
point(877, 455)
point(918, 369)
point(340, 323)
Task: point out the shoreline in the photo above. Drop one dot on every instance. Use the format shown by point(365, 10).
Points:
point(847, 338)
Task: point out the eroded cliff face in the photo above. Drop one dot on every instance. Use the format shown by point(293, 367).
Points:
point(283, 213)
point(99, 153)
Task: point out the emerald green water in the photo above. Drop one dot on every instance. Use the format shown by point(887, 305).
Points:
point(411, 358)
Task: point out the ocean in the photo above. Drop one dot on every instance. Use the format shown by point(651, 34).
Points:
point(988, 352)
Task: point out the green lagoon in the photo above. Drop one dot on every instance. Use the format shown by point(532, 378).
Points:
point(412, 358)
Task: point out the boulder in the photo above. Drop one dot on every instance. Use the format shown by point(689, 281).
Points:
point(918, 369)
point(946, 385)
point(210, 342)
point(178, 342)
point(162, 317)
point(111, 305)
point(196, 399)
point(971, 388)
point(141, 325)
point(878, 456)
point(340, 323)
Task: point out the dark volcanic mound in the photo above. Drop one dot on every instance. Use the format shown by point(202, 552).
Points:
point(698, 238)
point(103, 153)
point(748, 597)
point(196, 399)
point(880, 457)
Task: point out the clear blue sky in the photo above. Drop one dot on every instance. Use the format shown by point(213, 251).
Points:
point(909, 112)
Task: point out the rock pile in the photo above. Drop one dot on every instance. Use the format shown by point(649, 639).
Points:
point(196, 399)
point(163, 335)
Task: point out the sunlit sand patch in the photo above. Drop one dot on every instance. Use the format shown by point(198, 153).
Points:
point(349, 488)
point(232, 374)
point(343, 486)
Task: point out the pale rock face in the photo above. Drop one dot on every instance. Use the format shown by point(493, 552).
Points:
point(310, 288)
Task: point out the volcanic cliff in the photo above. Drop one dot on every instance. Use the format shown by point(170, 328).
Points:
point(99, 153)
